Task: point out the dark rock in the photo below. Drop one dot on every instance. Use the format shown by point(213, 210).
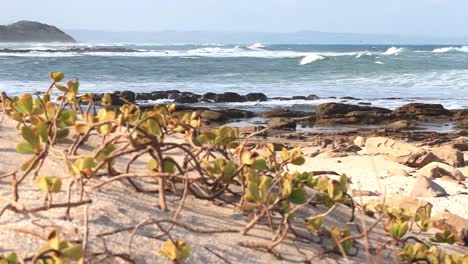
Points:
point(250, 129)
point(143, 96)
point(312, 97)
point(349, 98)
point(307, 121)
point(338, 113)
point(115, 98)
point(280, 112)
point(187, 99)
point(256, 97)
point(281, 98)
point(211, 115)
point(420, 109)
point(29, 31)
point(282, 123)
point(224, 115)
point(128, 95)
point(364, 103)
point(209, 97)
point(229, 97)
point(401, 125)
point(158, 95)
point(299, 98)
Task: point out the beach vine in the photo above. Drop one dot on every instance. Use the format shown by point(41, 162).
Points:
point(215, 165)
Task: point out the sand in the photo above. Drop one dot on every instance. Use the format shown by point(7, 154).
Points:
point(117, 206)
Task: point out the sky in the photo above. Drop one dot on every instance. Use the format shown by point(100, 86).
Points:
point(440, 18)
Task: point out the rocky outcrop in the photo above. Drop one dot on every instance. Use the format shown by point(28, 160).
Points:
point(425, 187)
point(399, 119)
point(450, 155)
point(29, 31)
point(229, 97)
point(338, 113)
point(258, 97)
point(280, 112)
point(281, 123)
point(399, 151)
point(421, 111)
point(447, 220)
point(218, 116)
point(409, 204)
point(435, 170)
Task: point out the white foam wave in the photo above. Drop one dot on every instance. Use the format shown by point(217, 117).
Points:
point(451, 49)
point(393, 51)
point(253, 51)
point(256, 46)
point(379, 62)
point(365, 53)
point(310, 58)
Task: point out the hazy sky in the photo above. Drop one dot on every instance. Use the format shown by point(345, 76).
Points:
point(408, 17)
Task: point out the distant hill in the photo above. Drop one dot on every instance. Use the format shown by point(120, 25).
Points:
point(30, 31)
point(301, 37)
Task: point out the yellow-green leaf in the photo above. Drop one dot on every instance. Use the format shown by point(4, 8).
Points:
point(24, 148)
point(56, 76)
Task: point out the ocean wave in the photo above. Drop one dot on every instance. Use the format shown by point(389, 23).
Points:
point(256, 46)
point(256, 50)
point(393, 51)
point(310, 58)
point(451, 49)
point(379, 62)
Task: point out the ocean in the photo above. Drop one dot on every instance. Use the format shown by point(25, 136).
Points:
point(386, 76)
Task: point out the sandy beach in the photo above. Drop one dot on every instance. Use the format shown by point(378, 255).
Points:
point(374, 177)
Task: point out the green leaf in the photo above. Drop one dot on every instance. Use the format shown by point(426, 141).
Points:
point(315, 223)
point(56, 185)
point(246, 157)
point(25, 148)
point(298, 161)
point(260, 165)
point(25, 104)
point(31, 137)
point(85, 163)
point(56, 76)
point(398, 230)
point(62, 133)
point(175, 252)
point(169, 165)
point(54, 240)
point(74, 253)
point(297, 196)
point(62, 88)
point(287, 188)
point(152, 165)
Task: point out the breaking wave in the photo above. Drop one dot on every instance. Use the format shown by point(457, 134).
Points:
point(451, 49)
point(310, 58)
point(393, 51)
